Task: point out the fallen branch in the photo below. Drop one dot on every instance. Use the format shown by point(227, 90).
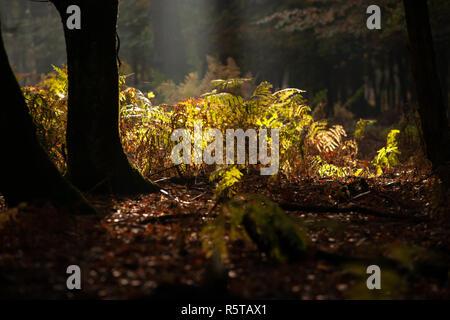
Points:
point(288, 206)
point(176, 216)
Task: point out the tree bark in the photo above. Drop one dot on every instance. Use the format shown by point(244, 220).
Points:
point(26, 173)
point(95, 155)
point(443, 63)
point(431, 105)
point(402, 76)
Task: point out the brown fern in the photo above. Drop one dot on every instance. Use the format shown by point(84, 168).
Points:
point(329, 140)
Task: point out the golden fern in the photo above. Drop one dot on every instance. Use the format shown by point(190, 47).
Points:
point(230, 83)
point(263, 92)
point(289, 96)
point(330, 139)
point(223, 98)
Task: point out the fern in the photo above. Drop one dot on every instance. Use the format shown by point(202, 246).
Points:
point(330, 139)
point(222, 99)
point(361, 127)
point(290, 96)
point(57, 82)
point(228, 177)
point(263, 94)
point(327, 170)
point(47, 104)
point(387, 156)
point(229, 84)
point(257, 220)
point(323, 139)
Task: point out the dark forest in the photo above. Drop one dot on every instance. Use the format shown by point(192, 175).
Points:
point(224, 150)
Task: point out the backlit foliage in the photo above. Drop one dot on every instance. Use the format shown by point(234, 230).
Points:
point(193, 85)
point(329, 140)
point(388, 156)
point(47, 103)
point(227, 177)
point(307, 146)
point(222, 108)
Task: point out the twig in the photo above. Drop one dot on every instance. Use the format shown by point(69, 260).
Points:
point(163, 179)
point(200, 195)
point(176, 216)
point(361, 195)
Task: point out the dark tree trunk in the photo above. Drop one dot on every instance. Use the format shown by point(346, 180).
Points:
point(330, 93)
point(431, 105)
point(391, 85)
point(170, 55)
point(403, 79)
point(443, 63)
point(372, 75)
point(26, 173)
point(95, 155)
point(379, 88)
point(228, 37)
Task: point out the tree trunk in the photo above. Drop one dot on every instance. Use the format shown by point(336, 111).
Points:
point(380, 87)
point(26, 173)
point(391, 85)
point(330, 85)
point(170, 55)
point(95, 155)
point(227, 31)
point(402, 77)
point(443, 63)
point(431, 105)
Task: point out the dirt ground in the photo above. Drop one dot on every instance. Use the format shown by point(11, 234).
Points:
point(150, 246)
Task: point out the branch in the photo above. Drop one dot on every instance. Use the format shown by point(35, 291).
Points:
point(289, 206)
point(176, 216)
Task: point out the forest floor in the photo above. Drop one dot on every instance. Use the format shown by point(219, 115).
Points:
point(150, 246)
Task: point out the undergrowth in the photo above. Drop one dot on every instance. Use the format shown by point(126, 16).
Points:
point(307, 146)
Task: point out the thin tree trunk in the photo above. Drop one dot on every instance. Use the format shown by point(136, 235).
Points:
point(379, 93)
point(228, 40)
point(391, 85)
point(431, 105)
point(95, 155)
point(376, 86)
point(402, 77)
point(330, 94)
point(26, 173)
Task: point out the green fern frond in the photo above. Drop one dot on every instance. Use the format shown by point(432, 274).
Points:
point(230, 83)
point(263, 92)
point(228, 177)
point(289, 96)
point(223, 98)
point(387, 156)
